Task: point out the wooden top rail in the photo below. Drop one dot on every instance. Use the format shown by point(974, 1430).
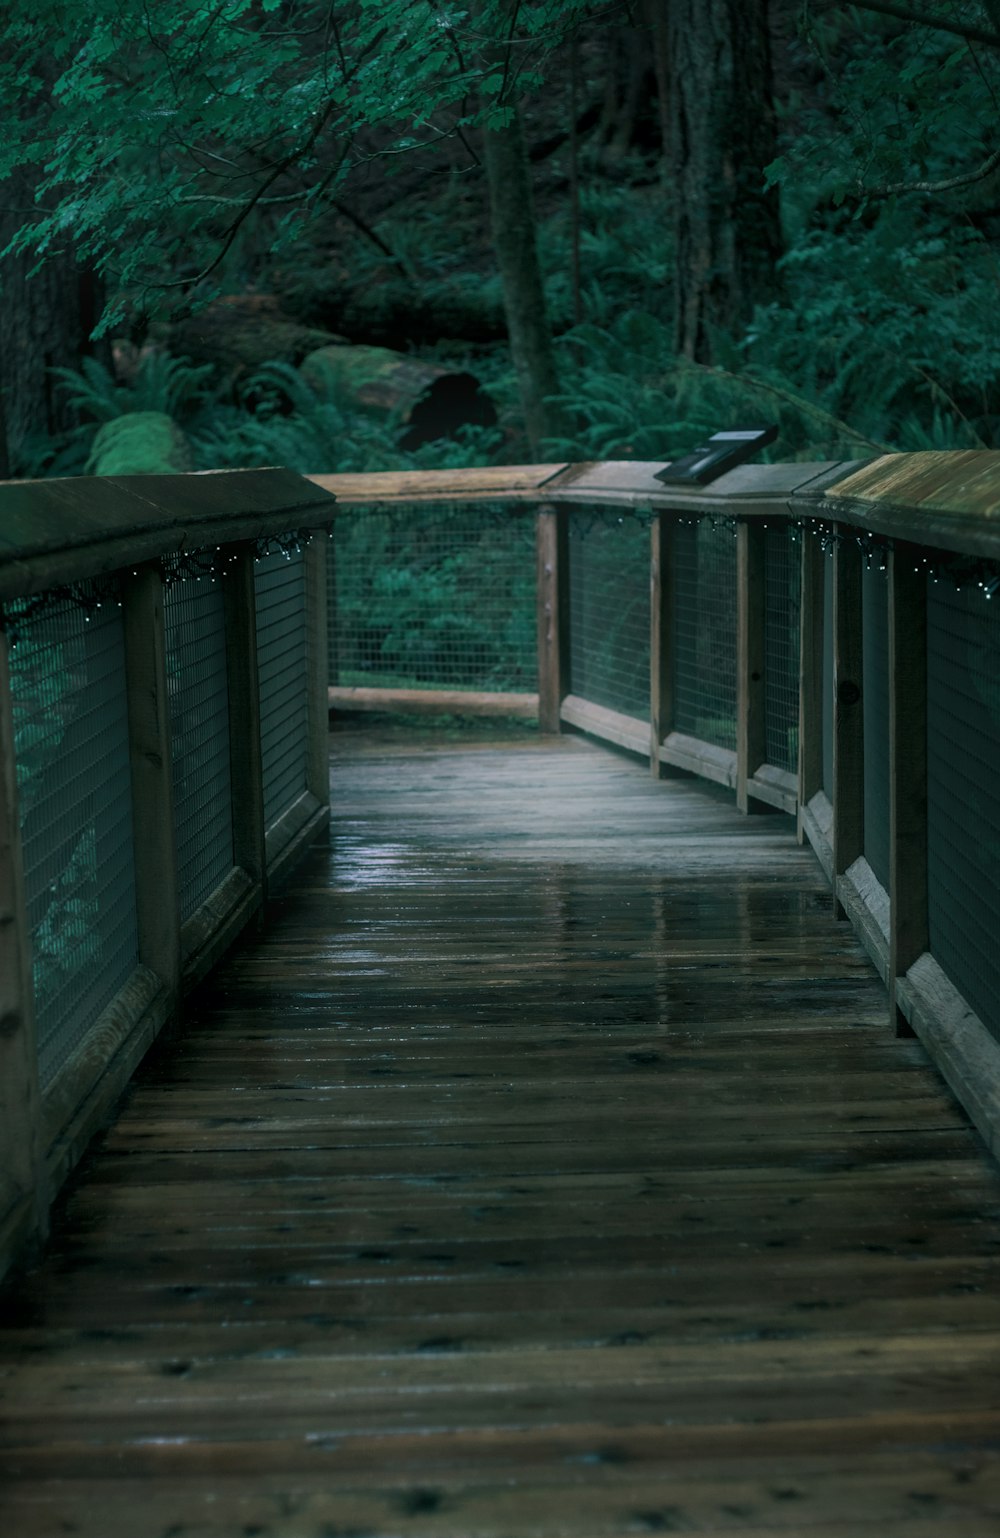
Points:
point(950, 501)
point(56, 532)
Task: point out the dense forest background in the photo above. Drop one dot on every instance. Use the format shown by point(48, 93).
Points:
point(369, 235)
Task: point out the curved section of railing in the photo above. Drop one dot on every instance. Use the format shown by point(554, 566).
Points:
point(822, 638)
point(163, 723)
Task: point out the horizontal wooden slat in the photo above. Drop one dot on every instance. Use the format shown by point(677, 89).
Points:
point(610, 725)
point(434, 702)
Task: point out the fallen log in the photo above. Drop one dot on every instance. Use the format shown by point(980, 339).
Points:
point(429, 401)
point(390, 312)
point(239, 333)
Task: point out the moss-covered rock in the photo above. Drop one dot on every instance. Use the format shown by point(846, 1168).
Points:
point(140, 443)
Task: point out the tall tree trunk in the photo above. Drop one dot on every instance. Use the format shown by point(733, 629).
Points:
point(45, 322)
point(655, 20)
point(512, 220)
point(727, 229)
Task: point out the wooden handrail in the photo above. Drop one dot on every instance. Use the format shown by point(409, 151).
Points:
point(949, 501)
point(53, 533)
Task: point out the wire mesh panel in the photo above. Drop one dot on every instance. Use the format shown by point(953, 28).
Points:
point(705, 632)
point(283, 669)
point(71, 746)
point(783, 586)
point(609, 611)
point(199, 732)
point(963, 761)
point(433, 597)
point(828, 673)
point(875, 698)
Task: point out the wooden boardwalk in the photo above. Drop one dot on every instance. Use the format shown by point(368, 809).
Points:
point(548, 1168)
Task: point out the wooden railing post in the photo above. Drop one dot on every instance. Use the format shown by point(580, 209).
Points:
point(848, 714)
point(552, 614)
point(318, 719)
point(245, 766)
point(810, 676)
point(156, 891)
point(909, 934)
point(751, 741)
point(661, 620)
point(23, 1185)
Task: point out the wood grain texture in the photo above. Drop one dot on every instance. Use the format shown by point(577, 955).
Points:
point(60, 531)
point(23, 1188)
point(848, 716)
point(552, 614)
point(547, 1168)
point(661, 629)
point(909, 935)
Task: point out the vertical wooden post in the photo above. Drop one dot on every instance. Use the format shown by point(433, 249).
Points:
point(552, 612)
point(909, 933)
point(661, 621)
point(24, 1197)
point(245, 766)
point(332, 628)
point(848, 714)
point(318, 718)
point(810, 676)
point(157, 899)
point(751, 741)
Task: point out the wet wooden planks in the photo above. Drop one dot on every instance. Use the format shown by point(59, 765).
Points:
point(547, 1168)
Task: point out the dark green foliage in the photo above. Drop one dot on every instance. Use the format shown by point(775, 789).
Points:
point(445, 599)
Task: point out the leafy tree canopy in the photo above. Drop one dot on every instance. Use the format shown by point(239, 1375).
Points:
point(150, 131)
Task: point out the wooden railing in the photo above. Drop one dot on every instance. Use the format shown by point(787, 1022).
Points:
point(156, 781)
point(781, 631)
point(904, 816)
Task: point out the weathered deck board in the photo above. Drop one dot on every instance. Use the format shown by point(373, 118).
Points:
point(548, 1168)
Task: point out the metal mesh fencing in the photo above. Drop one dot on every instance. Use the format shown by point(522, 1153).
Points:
point(963, 760)
point(194, 623)
point(609, 611)
point(434, 596)
point(828, 673)
point(875, 706)
point(705, 632)
point(283, 670)
point(783, 587)
point(74, 789)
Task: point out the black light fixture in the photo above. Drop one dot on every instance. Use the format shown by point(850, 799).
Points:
point(723, 451)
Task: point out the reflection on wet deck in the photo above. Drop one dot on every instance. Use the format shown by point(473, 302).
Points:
point(548, 1167)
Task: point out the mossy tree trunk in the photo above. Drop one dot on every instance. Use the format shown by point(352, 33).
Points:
point(512, 220)
point(727, 228)
point(45, 323)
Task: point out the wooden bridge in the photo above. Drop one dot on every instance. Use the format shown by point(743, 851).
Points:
point(552, 1160)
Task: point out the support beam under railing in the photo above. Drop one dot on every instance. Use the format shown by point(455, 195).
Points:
point(156, 886)
point(810, 678)
point(661, 626)
point(751, 737)
point(909, 931)
point(245, 764)
point(848, 717)
point(552, 613)
point(23, 1183)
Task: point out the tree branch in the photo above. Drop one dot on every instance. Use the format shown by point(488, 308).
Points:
point(937, 23)
point(966, 179)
